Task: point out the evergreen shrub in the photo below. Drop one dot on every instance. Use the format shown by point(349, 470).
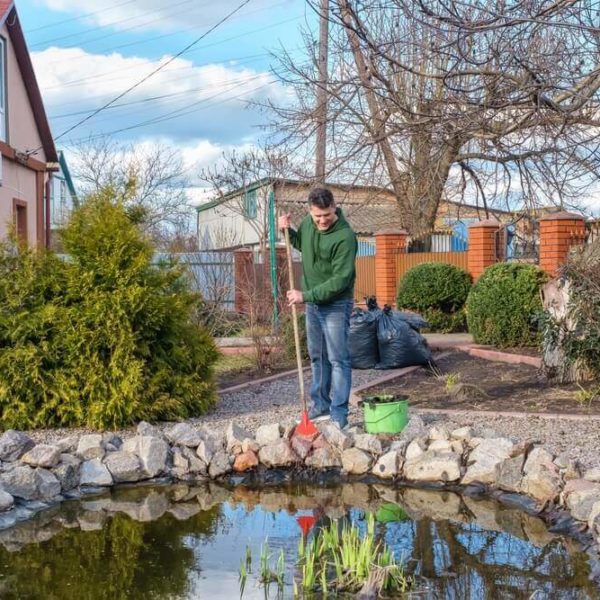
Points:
point(504, 306)
point(104, 338)
point(438, 292)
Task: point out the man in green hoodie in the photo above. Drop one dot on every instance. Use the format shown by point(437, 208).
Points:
point(328, 247)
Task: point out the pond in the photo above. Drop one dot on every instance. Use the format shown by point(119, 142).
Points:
point(183, 542)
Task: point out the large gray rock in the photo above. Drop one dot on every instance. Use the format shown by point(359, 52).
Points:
point(335, 436)
point(581, 496)
point(279, 454)
point(6, 501)
point(541, 479)
point(268, 434)
point(356, 462)
point(219, 465)
point(389, 465)
point(323, 458)
point(181, 465)
point(67, 445)
point(414, 428)
point(196, 465)
point(462, 434)
point(124, 467)
point(153, 453)
point(439, 433)
point(67, 474)
point(441, 446)
point(207, 448)
point(20, 482)
point(144, 428)
point(13, 444)
point(183, 434)
point(94, 473)
point(415, 449)
point(91, 446)
point(483, 460)
point(369, 443)
point(42, 455)
point(47, 484)
point(592, 474)
point(509, 474)
point(431, 466)
point(235, 436)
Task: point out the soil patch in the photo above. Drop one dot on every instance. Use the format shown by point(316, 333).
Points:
point(468, 383)
point(227, 380)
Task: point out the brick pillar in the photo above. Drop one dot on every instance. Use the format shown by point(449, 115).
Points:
point(485, 246)
point(558, 233)
point(388, 244)
point(243, 262)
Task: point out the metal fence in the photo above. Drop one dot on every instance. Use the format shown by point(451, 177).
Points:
point(210, 273)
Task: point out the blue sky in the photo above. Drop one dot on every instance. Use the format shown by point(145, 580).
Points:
point(87, 53)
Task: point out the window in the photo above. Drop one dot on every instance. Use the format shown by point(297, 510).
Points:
point(250, 208)
point(20, 219)
point(2, 90)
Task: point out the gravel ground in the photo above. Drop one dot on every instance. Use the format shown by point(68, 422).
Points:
point(277, 401)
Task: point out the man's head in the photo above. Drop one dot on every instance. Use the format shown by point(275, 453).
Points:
point(322, 208)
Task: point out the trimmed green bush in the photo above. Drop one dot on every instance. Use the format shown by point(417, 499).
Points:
point(103, 339)
point(438, 292)
point(504, 306)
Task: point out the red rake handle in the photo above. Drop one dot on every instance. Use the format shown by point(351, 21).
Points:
point(288, 250)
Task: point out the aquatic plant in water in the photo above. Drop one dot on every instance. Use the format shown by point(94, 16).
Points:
point(346, 561)
point(335, 560)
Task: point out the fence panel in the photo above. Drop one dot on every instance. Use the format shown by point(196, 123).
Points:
point(365, 278)
point(211, 273)
point(404, 262)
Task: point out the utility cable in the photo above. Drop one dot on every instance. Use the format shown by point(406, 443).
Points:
point(159, 68)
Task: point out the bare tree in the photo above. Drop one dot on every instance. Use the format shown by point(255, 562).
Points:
point(153, 179)
point(495, 102)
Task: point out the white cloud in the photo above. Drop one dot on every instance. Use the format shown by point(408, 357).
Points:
point(207, 100)
point(155, 15)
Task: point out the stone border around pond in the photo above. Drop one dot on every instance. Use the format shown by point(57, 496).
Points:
point(33, 477)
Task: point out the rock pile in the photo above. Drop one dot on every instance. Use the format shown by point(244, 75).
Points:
point(443, 454)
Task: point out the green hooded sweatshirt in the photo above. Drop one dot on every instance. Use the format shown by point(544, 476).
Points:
point(328, 271)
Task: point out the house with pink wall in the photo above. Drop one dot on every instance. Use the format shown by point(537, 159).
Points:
point(27, 152)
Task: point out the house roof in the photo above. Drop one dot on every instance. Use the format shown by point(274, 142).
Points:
point(367, 214)
point(8, 15)
point(68, 179)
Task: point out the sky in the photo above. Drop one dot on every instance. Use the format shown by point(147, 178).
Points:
point(85, 54)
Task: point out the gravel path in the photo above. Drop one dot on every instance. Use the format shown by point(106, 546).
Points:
point(277, 401)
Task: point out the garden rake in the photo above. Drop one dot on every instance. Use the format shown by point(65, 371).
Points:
point(306, 427)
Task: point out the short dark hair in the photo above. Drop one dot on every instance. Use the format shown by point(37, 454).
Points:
point(320, 197)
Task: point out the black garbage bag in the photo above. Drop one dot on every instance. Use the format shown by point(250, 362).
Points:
point(363, 343)
point(416, 321)
point(399, 344)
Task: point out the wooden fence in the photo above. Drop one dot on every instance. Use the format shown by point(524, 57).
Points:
point(365, 278)
point(404, 262)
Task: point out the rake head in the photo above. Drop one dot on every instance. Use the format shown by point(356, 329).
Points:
point(306, 428)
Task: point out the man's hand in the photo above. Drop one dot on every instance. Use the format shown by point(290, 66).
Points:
point(285, 221)
point(294, 297)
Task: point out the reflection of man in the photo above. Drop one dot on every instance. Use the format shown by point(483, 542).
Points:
point(328, 247)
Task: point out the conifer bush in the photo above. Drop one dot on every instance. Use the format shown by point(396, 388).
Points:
point(438, 292)
point(104, 338)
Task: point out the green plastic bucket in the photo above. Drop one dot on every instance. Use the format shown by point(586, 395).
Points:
point(390, 513)
point(385, 417)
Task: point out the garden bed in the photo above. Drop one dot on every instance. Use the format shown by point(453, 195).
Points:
point(468, 383)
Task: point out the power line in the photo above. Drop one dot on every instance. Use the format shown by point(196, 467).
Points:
point(179, 32)
point(120, 31)
point(159, 68)
point(80, 17)
point(170, 116)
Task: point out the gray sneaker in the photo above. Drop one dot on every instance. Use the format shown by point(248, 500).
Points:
point(317, 417)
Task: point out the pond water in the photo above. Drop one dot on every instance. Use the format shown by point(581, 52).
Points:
point(183, 542)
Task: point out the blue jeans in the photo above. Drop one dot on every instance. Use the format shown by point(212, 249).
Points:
point(327, 327)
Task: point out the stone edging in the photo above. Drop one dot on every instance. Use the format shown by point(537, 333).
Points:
point(37, 476)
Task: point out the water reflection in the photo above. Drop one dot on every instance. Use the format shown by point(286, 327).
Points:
point(187, 542)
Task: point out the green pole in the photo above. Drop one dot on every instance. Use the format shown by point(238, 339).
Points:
point(273, 256)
